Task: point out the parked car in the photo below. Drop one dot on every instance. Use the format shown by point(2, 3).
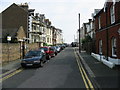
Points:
point(74, 44)
point(49, 51)
point(34, 58)
point(61, 47)
point(54, 49)
point(58, 49)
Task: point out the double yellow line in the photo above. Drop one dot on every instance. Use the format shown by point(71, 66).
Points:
point(11, 73)
point(86, 80)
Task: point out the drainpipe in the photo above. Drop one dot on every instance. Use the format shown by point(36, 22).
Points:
point(107, 43)
point(79, 35)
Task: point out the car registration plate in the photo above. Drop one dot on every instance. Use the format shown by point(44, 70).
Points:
point(29, 64)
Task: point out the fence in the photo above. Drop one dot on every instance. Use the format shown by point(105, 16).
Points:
point(12, 51)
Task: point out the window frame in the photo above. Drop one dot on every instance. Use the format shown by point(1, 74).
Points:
point(114, 46)
point(99, 22)
point(100, 47)
point(112, 14)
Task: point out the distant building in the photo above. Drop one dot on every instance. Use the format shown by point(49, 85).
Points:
point(48, 32)
point(59, 37)
point(54, 35)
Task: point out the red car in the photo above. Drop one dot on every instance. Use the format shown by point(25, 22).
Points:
point(49, 51)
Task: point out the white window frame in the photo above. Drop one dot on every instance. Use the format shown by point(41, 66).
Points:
point(99, 22)
point(114, 41)
point(112, 13)
point(100, 46)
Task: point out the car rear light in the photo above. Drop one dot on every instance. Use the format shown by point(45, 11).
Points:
point(47, 51)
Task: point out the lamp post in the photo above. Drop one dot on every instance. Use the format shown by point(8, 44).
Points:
point(23, 48)
point(79, 35)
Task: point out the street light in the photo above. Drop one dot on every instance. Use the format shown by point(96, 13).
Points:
point(79, 35)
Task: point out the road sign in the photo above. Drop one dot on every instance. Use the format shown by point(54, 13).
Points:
point(8, 38)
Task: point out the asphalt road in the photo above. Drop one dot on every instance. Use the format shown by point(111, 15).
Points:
point(60, 72)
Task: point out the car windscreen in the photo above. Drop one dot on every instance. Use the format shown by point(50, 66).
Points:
point(45, 49)
point(52, 47)
point(57, 47)
point(33, 53)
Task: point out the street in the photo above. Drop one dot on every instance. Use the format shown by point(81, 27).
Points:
point(61, 71)
point(65, 44)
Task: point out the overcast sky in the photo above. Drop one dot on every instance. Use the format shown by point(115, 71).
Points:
point(62, 13)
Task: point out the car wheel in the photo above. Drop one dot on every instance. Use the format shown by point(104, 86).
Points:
point(23, 66)
point(41, 63)
point(48, 57)
point(54, 55)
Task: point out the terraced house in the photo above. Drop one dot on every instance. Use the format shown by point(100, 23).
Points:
point(107, 28)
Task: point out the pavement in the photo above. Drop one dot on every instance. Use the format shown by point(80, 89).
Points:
point(101, 75)
point(11, 66)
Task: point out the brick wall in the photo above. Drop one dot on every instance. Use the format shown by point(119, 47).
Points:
point(13, 52)
point(112, 32)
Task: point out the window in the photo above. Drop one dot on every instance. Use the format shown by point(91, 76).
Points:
point(99, 23)
point(112, 14)
point(47, 39)
point(34, 27)
point(100, 47)
point(114, 47)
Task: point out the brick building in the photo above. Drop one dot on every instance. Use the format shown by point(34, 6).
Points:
point(13, 18)
point(107, 28)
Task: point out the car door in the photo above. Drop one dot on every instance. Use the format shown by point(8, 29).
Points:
point(43, 55)
point(51, 51)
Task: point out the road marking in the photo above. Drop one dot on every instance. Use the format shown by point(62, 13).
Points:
point(86, 85)
point(6, 73)
point(83, 73)
point(91, 86)
point(10, 75)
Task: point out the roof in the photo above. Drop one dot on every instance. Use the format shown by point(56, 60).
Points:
point(9, 32)
point(13, 32)
point(99, 12)
point(12, 6)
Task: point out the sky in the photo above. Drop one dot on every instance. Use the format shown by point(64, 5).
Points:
point(62, 13)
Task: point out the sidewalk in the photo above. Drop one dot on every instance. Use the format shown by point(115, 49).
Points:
point(13, 65)
point(104, 76)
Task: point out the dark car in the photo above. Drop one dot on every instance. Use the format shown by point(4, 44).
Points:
point(74, 44)
point(34, 58)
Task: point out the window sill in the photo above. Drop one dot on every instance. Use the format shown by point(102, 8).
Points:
point(114, 55)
